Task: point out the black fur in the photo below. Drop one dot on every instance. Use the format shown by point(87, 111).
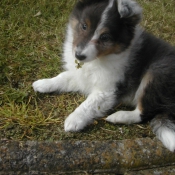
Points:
point(150, 55)
point(158, 58)
point(124, 62)
point(121, 28)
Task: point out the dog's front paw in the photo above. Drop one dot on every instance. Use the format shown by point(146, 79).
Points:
point(43, 86)
point(75, 122)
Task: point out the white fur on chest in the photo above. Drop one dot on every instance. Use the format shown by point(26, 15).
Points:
point(101, 73)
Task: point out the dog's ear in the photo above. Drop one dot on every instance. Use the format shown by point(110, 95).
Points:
point(129, 9)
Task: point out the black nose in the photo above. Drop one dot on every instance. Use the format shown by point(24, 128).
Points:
point(80, 56)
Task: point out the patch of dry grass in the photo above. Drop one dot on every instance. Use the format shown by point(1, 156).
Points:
point(32, 33)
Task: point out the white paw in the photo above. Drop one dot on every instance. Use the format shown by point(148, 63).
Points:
point(43, 86)
point(75, 122)
point(125, 117)
point(117, 117)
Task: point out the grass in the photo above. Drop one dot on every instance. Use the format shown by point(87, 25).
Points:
point(32, 34)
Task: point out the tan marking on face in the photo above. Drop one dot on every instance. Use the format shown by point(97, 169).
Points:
point(94, 41)
point(109, 49)
point(104, 30)
point(88, 23)
point(79, 33)
point(73, 22)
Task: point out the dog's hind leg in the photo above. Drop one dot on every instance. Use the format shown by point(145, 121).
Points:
point(154, 100)
point(159, 102)
point(130, 117)
point(125, 117)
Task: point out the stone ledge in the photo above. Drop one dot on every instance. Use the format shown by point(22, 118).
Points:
point(80, 157)
point(169, 170)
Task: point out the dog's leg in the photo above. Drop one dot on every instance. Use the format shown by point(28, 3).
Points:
point(125, 117)
point(96, 105)
point(129, 117)
point(64, 82)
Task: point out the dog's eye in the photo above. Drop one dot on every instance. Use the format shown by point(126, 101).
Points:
point(105, 37)
point(84, 26)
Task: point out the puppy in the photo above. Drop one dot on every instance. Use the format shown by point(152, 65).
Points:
point(122, 64)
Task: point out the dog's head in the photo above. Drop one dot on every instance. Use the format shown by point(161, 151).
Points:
point(103, 27)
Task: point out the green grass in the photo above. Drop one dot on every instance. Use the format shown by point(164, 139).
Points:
point(31, 38)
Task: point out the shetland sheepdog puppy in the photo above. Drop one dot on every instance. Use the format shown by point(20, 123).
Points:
point(122, 63)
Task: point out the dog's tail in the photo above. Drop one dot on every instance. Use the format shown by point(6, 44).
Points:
point(164, 128)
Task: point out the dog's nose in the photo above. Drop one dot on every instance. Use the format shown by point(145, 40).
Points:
point(80, 56)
